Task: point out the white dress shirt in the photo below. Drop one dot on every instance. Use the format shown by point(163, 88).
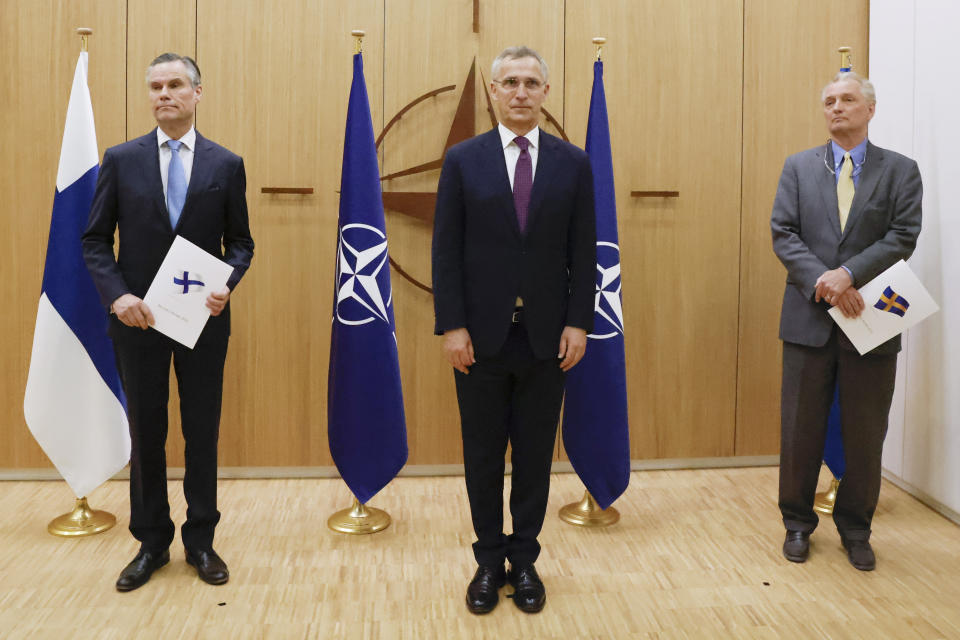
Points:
point(511, 152)
point(189, 140)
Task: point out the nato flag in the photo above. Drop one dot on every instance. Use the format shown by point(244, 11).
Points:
point(365, 422)
point(595, 429)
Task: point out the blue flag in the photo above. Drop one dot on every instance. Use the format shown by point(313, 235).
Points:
point(595, 429)
point(365, 421)
point(73, 402)
point(833, 446)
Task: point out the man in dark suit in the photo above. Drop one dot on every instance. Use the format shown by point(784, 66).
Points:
point(514, 260)
point(170, 182)
point(844, 213)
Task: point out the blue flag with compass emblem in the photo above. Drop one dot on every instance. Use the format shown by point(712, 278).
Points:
point(595, 430)
point(365, 421)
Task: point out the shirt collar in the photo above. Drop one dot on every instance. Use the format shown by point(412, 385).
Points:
point(189, 139)
point(507, 136)
point(858, 154)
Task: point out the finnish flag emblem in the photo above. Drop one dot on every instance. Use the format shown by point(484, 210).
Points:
point(187, 282)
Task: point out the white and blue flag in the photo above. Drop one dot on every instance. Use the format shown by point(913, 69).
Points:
point(74, 404)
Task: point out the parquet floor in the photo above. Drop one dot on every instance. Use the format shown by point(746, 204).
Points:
point(696, 555)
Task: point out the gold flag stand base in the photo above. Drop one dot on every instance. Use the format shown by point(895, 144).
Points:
point(587, 513)
point(826, 499)
point(82, 521)
point(359, 519)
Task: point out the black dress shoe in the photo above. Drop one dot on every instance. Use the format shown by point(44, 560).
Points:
point(528, 592)
point(210, 567)
point(796, 546)
point(860, 554)
point(482, 593)
point(140, 569)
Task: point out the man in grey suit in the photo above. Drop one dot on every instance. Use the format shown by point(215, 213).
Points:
point(844, 212)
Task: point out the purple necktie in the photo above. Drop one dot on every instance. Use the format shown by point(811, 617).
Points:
point(522, 182)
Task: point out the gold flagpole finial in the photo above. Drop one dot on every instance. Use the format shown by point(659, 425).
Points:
point(358, 34)
point(84, 33)
point(599, 42)
point(846, 58)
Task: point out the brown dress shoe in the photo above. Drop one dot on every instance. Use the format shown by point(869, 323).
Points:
point(482, 593)
point(860, 554)
point(210, 567)
point(136, 574)
point(528, 592)
point(796, 546)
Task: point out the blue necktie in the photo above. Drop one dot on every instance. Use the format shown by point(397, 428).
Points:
point(176, 183)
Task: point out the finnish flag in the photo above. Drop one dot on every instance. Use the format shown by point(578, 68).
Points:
point(74, 404)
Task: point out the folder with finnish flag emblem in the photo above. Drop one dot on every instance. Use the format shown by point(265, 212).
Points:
point(177, 297)
point(895, 301)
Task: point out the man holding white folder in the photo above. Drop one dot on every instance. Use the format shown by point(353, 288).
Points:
point(844, 212)
point(170, 182)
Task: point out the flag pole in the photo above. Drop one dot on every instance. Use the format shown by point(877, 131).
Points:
point(359, 519)
point(82, 521)
point(586, 512)
point(824, 501)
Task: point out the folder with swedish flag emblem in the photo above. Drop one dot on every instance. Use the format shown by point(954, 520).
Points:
point(895, 301)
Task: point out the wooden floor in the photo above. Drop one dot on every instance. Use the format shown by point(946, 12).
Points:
point(696, 555)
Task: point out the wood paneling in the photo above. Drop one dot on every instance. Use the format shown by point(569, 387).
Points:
point(672, 73)
point(40, 50)
point(277, 80)
point(789, 55)
point(702, 97)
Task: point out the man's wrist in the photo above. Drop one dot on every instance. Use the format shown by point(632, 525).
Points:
point(849, 273)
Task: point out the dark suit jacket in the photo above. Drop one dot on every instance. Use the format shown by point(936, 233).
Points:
point(882, 228)
point(481, 261)
point(129, 195)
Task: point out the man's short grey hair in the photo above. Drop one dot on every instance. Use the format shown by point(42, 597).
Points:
point(514, 53)
point(193, 71)
point(866, 87)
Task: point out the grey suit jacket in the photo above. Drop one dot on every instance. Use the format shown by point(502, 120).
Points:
point(882, 228)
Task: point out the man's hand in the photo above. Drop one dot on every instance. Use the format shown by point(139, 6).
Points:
point(217, 300)
point(832, 284)
point(851, 303)
point(573, 344)
point(132, 311)
point(459, 349)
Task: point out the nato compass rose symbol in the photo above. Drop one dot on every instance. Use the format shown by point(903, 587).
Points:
point(608, 318)
point(361, 277)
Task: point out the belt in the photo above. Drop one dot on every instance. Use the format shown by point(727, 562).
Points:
point(517, 315)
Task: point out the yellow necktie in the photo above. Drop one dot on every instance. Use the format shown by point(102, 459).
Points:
point(845, 189)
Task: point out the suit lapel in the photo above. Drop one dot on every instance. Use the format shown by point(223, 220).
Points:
point(546, 165)
point(869, 177)
point(494, 158)
point(827, 186)
point(150, 156)
point(200, 175)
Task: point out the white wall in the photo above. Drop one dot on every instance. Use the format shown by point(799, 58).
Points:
point(914, 63)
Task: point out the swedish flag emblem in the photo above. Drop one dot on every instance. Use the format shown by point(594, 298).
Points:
point(893, 302)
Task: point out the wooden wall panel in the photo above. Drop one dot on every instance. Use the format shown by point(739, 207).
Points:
point(673, 79)
point(789, 55)
point(277, 80)
point(40, 50)
point(694, 91)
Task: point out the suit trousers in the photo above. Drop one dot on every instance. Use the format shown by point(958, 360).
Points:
point(865, 383)
point(143, 358)
point(511, 396)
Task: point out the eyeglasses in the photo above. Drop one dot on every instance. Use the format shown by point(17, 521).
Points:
point(513, 83)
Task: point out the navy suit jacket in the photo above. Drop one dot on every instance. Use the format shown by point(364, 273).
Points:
point(481, 261)
point(129, 196)
point(882, 228)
